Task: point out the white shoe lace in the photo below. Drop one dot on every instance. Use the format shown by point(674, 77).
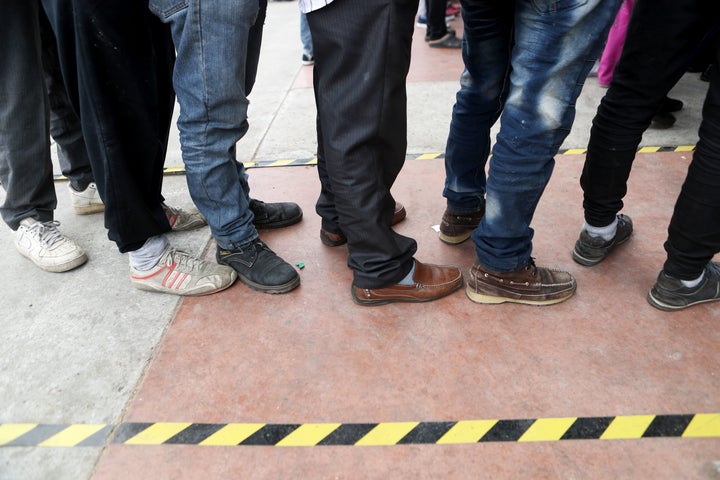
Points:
point(184, 260)
point(47, 232)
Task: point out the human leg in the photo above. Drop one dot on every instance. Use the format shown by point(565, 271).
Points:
point(555, 48)
point(364, 148)
point(115, 64)
point(694, 230)
point(554, 51)
point(488, 32)
point(217, 43)
point(363, 131)
point(661, 37)
point(25, 166)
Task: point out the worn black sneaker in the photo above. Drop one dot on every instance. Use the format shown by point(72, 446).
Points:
point(669, 294)
point(275, 215)
point(590, 251)
point(455, 228)
point(260, 268)
point(530, 285)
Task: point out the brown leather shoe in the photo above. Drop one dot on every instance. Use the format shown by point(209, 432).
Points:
point(530, 285)
point(455, 228)
point(431, 282)
point(332, 239)
point(399, 214)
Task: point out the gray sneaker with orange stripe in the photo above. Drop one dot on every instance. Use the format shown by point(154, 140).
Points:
point(178, 273)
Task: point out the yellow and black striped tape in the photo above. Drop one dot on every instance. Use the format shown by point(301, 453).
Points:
point(705, 425)
point(418, 156)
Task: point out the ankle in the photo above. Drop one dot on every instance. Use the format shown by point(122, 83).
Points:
point(607, 232)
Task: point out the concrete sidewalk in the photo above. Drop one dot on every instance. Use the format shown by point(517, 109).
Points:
point(84, 347)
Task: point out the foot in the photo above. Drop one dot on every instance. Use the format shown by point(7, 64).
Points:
point(307, 59)
point(86, 201)
point(275, 215)
point(670, 294)
point(670, 105)
point(449, 40)
point(181, 220)
point(455, 228)
point(335, 239)
point(530, 285)
point(260, 268)
point(47, 247)
point(178, 273)
point(430, 282)
point(662, 121)
point(590, 251)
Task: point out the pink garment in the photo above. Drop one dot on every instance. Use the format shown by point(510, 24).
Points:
point(614, 45)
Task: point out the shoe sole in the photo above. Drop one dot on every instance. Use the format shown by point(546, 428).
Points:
point(377, 303)
point(63, 267)
point(89, 209)
point(673, 308)
point(331, 243)
point(491, 299)
point(281, 224)
point(271, 289)
point(454, 239)
point(150, 288)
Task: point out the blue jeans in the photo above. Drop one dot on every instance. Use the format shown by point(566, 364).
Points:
point(218, 44)
point(305, 36)
point(525, 63)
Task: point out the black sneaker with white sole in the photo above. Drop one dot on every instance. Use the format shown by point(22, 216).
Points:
point(670, 294)
point(590, 251)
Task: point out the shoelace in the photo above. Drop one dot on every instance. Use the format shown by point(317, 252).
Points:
point(183, 259)
point(530, 265)
point(47, 232)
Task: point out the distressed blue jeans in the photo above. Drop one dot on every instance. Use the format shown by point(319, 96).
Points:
point(218, 44)
point(525, 63)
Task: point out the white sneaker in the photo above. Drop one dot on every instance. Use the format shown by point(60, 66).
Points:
point(179, 273)
point(87, 201)
point(47, 247)
point(181, 221)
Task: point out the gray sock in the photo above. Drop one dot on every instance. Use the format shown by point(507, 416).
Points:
point(147, 256)
point(408, 280)
point(693, 283)
point(606, 233)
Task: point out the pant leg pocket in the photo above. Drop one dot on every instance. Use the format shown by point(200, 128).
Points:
point(550, 7)
point(164, 9)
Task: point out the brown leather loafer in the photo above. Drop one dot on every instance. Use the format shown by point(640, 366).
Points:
point(431, 282)
point(332, 239)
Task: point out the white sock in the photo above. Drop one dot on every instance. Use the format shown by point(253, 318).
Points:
point(606, 233)
point(693, 283)
point(147, 256)
point(408, 280)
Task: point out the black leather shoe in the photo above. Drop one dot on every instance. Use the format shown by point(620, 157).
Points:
point(275, 215)
point(260, 268)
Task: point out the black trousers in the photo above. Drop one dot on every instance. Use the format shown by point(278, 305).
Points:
point(362, 57)
point(661, 39)
point(116, 60)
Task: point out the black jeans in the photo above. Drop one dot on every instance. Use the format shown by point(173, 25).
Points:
point(116, 61)
point(661, 39)
point(436, 26)
point(362, 129)
point(65, 126)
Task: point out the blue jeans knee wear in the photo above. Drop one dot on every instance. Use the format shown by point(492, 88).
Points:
point(217, 45)
point(525, 64)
